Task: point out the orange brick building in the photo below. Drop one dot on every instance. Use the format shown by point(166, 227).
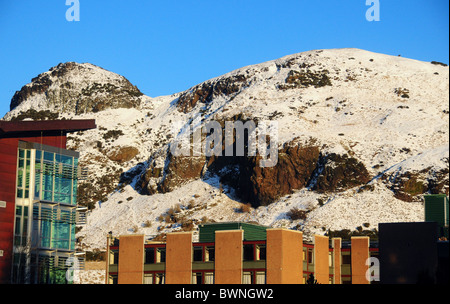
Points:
point(237, 256)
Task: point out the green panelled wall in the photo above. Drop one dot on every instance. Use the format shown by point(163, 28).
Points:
point(252, 232)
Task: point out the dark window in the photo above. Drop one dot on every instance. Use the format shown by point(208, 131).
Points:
point(249, 254)
point(310, 256)
point(346, 259)
point(149, 255)
point(210, 254)
point(198, 278)
point(198, 254)
point(116, 257)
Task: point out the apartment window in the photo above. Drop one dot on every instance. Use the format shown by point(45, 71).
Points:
point(209, 278)
point(198, 254)
point(148, 278)
point(21, 226)
point(159, 278)
point(23, 174)
point(346, 259)
point(114, 254)
point(56, 175)
point(260, 252)
point(247, 277)
point(203, 278)
point(160, 255)
point(310, 256)
point(149, 255)
point(113, 279)
point(197, 278)
point(260, 277)
point(249, 254)
point(209, 254)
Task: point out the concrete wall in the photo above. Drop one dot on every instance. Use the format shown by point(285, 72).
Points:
point(179, 258)
point(284, 261)
point(228, 256)
point(131, 259)
point(321, 259)
point(337, 260)
point(360, 256)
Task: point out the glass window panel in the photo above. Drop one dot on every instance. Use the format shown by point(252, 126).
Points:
point(209, 278)
point(49, 156)
point(149, 255)
point(159, 278)
point(45, 233)
point(209, 254)
point(161, 255)
point(148, 278)
point(198, 254)
point(248, 252)
point(47, 196)
point(20, 179)
point(261, 252)
point(17, 228)
point(247, 278)
point(38, 155)
point(260, 277)
point(66, 160)
point(21, 153)
point(197, 278)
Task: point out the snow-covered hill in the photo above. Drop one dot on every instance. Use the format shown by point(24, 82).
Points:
point(368, 135)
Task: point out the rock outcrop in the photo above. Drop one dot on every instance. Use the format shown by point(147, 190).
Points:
point(78, 88)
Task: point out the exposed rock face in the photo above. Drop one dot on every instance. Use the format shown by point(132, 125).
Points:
point(181, 169)
point(339, 173)
point(304, 79)
point(297, 166)
point(123, 154)
point(206, 91)
point(408, 186)
point(78, 88)
point(262, 186)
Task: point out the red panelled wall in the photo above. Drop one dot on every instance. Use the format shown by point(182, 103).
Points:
point(8, 164)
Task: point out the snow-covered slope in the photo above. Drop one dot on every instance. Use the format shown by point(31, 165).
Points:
point(388, 113)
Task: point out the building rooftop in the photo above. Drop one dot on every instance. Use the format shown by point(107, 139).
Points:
point(11, 127)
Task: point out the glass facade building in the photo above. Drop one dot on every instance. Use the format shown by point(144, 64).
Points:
point(46, 213)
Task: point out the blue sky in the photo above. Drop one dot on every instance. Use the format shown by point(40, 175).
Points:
point(164, 47)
